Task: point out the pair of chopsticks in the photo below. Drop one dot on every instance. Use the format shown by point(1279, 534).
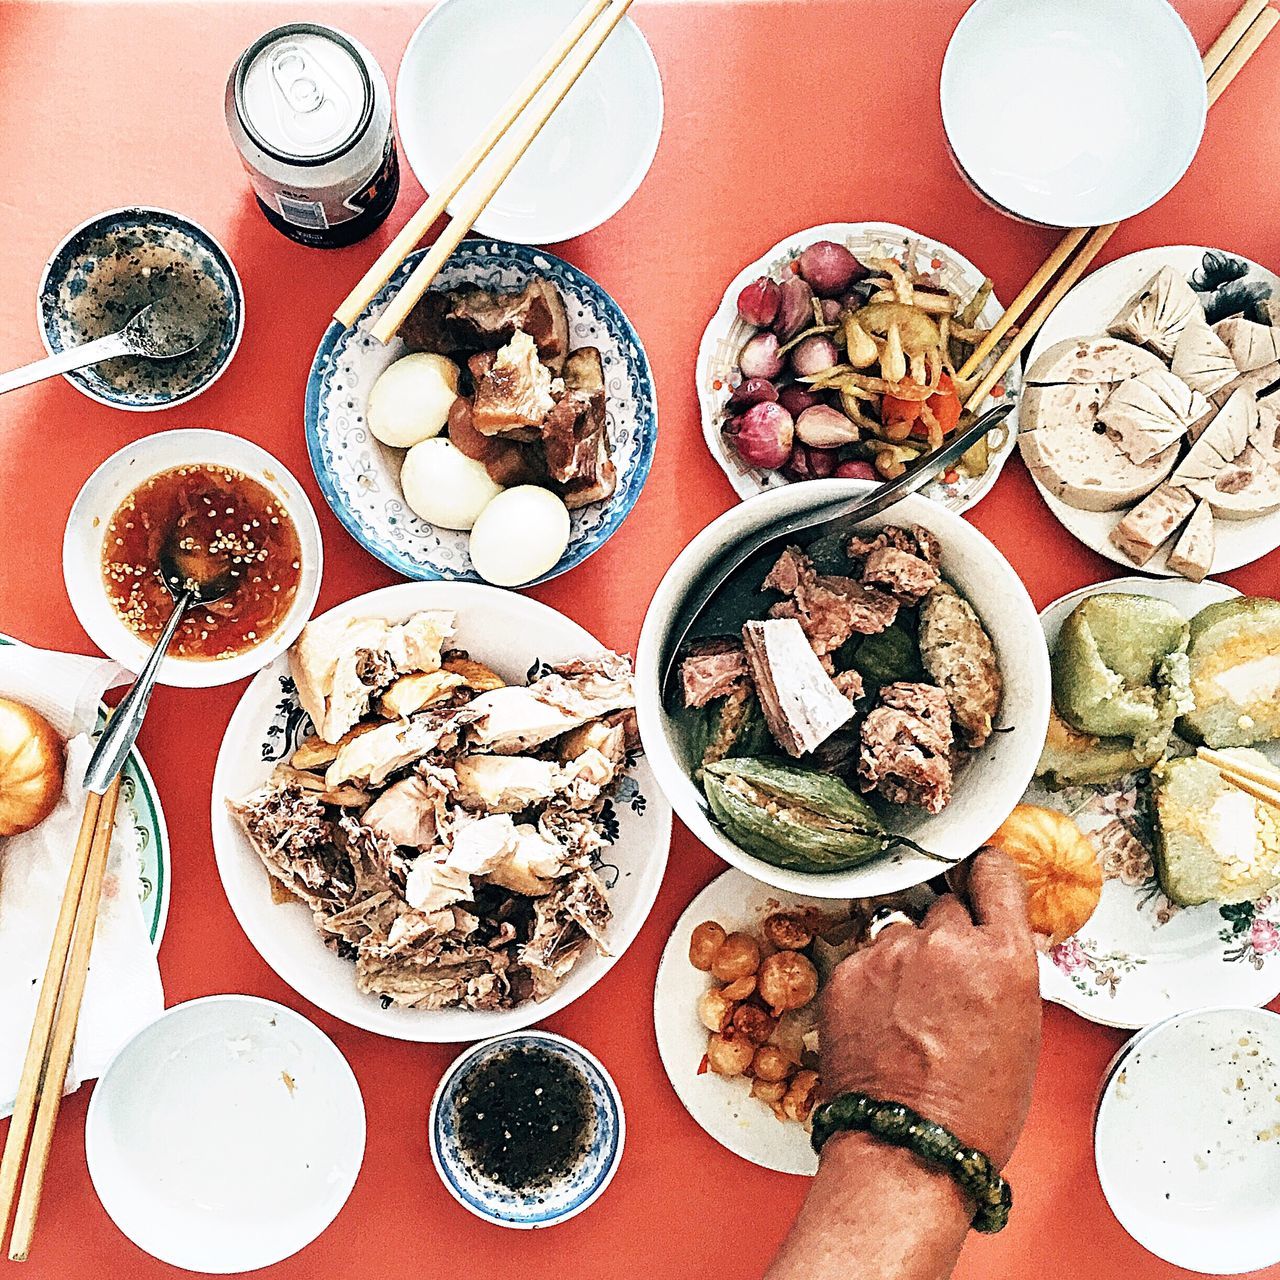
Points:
point(44, 1071)
point(558, 72)
point(1262, 782)
point(1239, 41)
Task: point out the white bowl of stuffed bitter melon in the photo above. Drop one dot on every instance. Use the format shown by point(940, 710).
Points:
point(876, 707)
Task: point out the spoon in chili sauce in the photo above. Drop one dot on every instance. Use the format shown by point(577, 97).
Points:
point(160, 331)
point(193, 576)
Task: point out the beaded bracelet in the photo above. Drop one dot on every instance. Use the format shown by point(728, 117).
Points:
point(898, 1125)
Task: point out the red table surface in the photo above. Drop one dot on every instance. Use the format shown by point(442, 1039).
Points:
point(778, 116)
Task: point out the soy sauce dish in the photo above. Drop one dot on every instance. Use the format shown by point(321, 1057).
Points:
point(212, 495)
point(526, 1130)
point(109, 268)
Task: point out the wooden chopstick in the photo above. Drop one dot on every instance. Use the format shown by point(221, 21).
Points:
point(1048, 268)
point(46, 1005)
point(421, 222)
point(1247, 46)
point(1238, 42)
point(1259, 782)
point(44, 1072)
point(1230, 35)
point(426, 271)
point(1061, 286)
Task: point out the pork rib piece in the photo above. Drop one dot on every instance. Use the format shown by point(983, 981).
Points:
point(828, 608)
point(475, 319)
point(906, 747)
point(802, 705)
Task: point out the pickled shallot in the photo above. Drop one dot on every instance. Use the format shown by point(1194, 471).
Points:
point(861, 357)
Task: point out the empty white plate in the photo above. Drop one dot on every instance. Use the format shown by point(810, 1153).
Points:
point(226, 1135)
point(1187, 1140)
point(463, 63)
point(1073, 112)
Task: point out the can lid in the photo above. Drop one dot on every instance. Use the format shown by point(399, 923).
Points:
point(303, 93)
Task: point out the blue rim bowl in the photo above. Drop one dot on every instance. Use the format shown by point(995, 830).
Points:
point(69, 258)
point(359, 477)
point(545, 1207)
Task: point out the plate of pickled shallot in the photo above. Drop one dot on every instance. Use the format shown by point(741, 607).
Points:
point(838, 354)
point(735, 1009)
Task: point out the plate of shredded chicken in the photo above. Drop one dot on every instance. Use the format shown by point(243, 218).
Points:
point(431, 816)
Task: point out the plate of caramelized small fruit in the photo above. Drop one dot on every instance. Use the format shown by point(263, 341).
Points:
point(735, 1008)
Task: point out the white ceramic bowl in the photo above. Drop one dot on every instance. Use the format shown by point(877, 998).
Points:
point(112, 482)
point(989, 786)
point(462, 64)
point(545, 1206)
point(226, 1135)
point(1073, 112)
point(511, 633)
point(1187, 1140)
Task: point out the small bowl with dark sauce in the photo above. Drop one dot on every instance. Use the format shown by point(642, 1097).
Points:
point(214, 495)
point(526, 1129)
point(109, 268)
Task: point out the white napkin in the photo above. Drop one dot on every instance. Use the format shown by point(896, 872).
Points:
point(123, 991)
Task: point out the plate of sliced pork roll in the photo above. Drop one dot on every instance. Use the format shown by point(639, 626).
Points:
point(431, 816)
point(1151, 412)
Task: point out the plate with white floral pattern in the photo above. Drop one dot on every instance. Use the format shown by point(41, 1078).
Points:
point(140, 801)
point(514, 635)
point(360, 477)
point(717, 368)
point(1141, 958)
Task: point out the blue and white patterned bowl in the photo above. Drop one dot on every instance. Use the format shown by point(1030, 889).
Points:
point(360, 477)
point(72, 265)
point(548, 1205)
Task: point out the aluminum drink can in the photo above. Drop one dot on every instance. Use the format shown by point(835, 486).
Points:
point(310, 113)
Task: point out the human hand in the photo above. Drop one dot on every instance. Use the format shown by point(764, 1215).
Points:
point(944, 1018)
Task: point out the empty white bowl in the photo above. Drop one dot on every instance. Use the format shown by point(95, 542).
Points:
point(1073, 112)
point(226, 1135)
point(989, 784)
point(119, 476)
point(1187, 1140)
point(462, 64)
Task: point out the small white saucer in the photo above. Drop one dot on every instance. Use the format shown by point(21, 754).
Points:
point(1187, 1140)
point(458, 70)
point(226, 1135)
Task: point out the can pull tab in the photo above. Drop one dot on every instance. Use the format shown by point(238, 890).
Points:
point(293, 75)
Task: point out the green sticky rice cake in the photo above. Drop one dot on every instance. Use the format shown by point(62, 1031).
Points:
point(1071, 758)
point(1119, 670)
point(1213, 842)
point(1235, 674)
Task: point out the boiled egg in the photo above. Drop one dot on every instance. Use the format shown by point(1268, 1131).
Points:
point(519, 536)
point(445, 487)
point(411, 398)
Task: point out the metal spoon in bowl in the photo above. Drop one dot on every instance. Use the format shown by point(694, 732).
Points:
point(158, 331)
point(730, 586)
point(192, 578)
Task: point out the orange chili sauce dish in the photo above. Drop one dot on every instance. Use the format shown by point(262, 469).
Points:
point(215, 512)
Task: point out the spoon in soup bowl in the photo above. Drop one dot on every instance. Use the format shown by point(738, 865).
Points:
point(193, 576)
point(160, 331)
